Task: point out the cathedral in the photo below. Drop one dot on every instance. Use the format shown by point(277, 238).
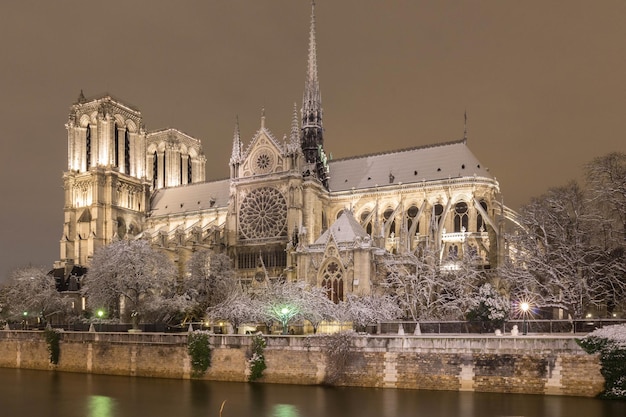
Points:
point(287, 210)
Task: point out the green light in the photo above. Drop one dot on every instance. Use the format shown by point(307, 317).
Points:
point(100, 313)
point(25, 313)
point(285, 310)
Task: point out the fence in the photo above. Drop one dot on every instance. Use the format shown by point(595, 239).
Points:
point(532, 326)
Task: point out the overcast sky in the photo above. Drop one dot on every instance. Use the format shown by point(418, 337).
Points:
point(542, 83)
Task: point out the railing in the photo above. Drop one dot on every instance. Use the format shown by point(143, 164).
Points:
point(533, 326)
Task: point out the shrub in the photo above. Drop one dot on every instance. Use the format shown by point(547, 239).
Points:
point(52, 340)
point(610, 343)
point(338, 348)
point(199, 350)
point(256, 361)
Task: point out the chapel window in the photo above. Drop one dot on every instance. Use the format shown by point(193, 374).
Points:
point(368, 226)
point(411, 215)
point(155, 169)
point(189, 170)
point(387, 215)
point(332, 282)
point(116, 136)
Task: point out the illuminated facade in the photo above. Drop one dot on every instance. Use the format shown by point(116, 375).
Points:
point(286, 210)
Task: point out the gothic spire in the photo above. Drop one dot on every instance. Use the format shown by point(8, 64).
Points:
point(294, 136)
point(312, 139)
point(235, 157)
point(312, 98)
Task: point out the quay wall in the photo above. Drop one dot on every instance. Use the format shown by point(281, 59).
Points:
point(553, 365)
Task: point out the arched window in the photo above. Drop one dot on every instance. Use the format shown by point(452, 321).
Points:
point(339, 214)
point(411, 215)
point(392, 227)
point(332, 281)
point(155, 169)
point(189, 170)
point(88, 147)
point(368, 226)
point(460, 217)
point(180, 170)
point(126, 151)
point(116, 146)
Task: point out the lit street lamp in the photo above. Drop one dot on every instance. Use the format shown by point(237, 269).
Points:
point(525, 307)
point(284, 318)
point(100, 314)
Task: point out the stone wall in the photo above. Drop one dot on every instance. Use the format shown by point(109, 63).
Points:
point(553, 365)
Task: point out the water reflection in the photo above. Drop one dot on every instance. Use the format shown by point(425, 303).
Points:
point(40, 393)
point(285, 410)
point(100, 406)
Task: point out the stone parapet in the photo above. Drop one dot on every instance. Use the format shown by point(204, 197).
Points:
point(553, 365)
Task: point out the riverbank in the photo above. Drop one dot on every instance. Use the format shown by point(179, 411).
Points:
point(531, 364)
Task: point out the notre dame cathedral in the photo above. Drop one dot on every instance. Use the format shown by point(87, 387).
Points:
point(286, 211)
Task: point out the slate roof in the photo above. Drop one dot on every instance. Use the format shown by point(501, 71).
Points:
point(344, 229)
point(427, 163)
point(192, 197)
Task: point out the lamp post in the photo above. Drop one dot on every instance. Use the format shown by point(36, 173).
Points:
point(284, 318)
point(100, 314)
point(524, 306)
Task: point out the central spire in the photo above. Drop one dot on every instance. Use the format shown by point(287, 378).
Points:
point(312, 139)
point(312, 99)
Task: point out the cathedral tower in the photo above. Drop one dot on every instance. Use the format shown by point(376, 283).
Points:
point(106, 192)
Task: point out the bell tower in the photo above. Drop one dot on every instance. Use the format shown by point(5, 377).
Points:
point(106, 191)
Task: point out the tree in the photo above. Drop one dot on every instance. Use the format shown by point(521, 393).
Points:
point(237, 309)
point(371, 309)
point(31, 292)
point(606, 181)
point(424, 289)
point(129, 277)
point(211, 280)
point(556, 261)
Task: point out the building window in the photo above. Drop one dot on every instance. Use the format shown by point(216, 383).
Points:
point(332, 281)
point(368, 226)
point(189, 170)
point(155, 169)
point(460, 217)
point(392, 227)
point(411, 215)
point(126, 151)
point(116, 146)
point(88, 147)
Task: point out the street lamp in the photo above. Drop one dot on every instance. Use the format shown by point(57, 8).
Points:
point(284, 318)
point(525, 307)
point(100, 314)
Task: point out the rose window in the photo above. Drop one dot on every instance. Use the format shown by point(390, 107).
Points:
point(263, 214)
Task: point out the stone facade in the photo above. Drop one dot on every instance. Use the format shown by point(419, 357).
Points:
point(531, 365)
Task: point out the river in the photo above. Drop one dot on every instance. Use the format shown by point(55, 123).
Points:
point(42, 394)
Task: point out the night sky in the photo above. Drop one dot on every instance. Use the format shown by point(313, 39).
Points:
point(542, 83)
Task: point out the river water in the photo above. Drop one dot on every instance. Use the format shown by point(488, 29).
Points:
point(27, 393)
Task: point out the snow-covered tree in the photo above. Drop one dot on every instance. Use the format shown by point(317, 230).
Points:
point(556, 261)
point(317, 307)
point(238, 308)
point(210, 281)
point(370, 309)
point(489, 306)
point(129, 277)
point(426, 290)
point(283, 302)
point(31, 292)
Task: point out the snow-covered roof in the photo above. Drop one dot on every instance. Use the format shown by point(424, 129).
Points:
point(344, 229)
point(192, 197)
point(428, 163)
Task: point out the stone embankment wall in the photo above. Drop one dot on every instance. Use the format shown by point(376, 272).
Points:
point(526, 364)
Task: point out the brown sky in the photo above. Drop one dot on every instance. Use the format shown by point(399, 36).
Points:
point(542, 82)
